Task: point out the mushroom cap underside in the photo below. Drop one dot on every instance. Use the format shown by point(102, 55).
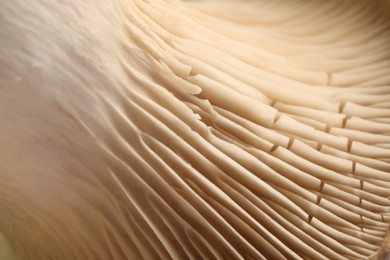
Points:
point(197, 129)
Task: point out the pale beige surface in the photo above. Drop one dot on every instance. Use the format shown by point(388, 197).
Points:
point(205, 129)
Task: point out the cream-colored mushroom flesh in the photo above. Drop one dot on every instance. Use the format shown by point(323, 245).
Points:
point(151, 129)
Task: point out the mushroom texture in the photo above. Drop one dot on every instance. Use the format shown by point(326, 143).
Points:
point(136, 129)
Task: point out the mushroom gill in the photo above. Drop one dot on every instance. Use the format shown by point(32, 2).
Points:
point(151, 129)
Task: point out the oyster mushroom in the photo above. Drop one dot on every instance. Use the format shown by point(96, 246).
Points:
point(201, 129)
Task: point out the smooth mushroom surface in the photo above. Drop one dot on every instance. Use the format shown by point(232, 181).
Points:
point(203, 129)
